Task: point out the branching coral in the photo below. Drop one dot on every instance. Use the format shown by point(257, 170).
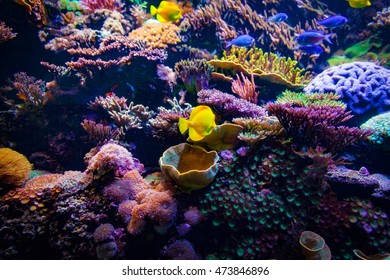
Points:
point(265, 66)
point(245, 88)
point(99, 133)
point(228, 17)
point(317, 125)
point(195, 74)
point(6, 33)
point(229, 105)
point(166, 121)
point(31, 91)
point(125, 116)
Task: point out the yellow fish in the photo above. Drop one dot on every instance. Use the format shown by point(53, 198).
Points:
point(359, 3)
point(167, 11)
point(200, 124)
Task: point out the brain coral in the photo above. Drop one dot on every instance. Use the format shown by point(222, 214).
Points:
point(364, 86)
point(14, 167)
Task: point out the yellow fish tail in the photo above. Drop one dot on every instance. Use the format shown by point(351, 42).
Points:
point(153, 10)
point(183, 125)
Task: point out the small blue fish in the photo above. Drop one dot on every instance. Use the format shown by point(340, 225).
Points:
point(313, 37)
point(311, 49)
point(278, 18)
point(333, 22)
point(241, 41)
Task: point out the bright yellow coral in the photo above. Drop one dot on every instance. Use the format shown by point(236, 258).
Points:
point(262, 65)
point(14, 167)
point(156, 35)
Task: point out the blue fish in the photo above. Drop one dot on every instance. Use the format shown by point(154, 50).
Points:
point(332, 22)
point(278, 18)
point(241, 41)
point(311, 49)
point(313, 37)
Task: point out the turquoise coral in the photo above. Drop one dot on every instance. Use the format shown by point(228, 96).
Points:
point(380, 125)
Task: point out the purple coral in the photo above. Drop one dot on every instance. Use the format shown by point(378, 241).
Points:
point(229, 104)
point(111, 157)
point(364, 86)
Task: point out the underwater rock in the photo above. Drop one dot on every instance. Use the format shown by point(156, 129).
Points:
point(351, 182)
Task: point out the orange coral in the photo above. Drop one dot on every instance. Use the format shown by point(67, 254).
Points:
point(156, 35)
point(33, 191)
point(14, 167)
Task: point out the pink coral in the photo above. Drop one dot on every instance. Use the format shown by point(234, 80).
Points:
point(111, 158)
point(104, 232)
point(93, 5)
point(159, 207)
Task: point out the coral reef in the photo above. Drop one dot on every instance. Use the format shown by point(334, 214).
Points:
point(380, 126)
point(363, 86)
point(14, 168)
point(262, 65)
point(228, 105)
point(316, 126)
point(111, 158)
point(6, 33)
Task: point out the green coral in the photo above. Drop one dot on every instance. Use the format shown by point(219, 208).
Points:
point(380, 125)
point(70, 5)
point(266, 66)
point(303, 99)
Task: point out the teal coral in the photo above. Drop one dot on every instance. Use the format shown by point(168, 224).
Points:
point(380, 125)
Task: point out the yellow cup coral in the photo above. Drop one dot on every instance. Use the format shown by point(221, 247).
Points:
point(14, 167)
point(190, 167)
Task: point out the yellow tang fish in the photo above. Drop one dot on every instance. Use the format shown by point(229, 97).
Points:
point(359, 3)
point(167, 11)
point(200, 124)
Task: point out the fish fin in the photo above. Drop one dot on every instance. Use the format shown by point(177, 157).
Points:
point(164, 4)
point(194, 135)
point(328, 37)
point(183, 125)
point(153, 10)
point(160, 18)
point(368, 3)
